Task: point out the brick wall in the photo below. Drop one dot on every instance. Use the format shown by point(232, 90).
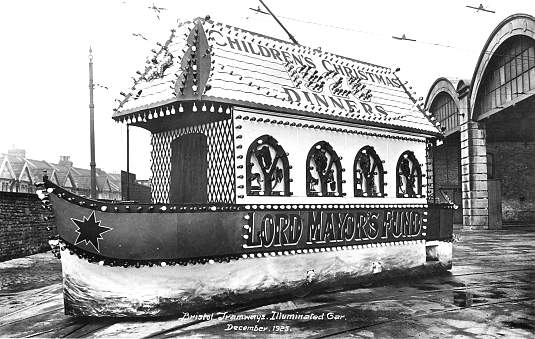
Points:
point(514, 166)
point(22, 225)
point(137, 192)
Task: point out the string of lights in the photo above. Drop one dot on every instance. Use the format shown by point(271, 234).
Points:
point(231, 51)
point(408, 107)
point(387, 89)
point(259, 72)
point(250, 63)
point(267, 89)
point(256, 79)
point(242, 91)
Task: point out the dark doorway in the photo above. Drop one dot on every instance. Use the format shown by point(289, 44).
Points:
point(188, 182)
point(447, 168)
point(510, 141)
point(495, 203)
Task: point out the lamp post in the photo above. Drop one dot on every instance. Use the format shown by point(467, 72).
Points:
point(92, 164)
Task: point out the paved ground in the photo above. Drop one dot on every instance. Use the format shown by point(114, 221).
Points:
point(490, 293)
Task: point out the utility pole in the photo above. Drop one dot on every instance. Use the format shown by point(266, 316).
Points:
point(92, 164)
point(127, 162)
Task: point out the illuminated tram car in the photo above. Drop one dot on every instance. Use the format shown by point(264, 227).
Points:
point(276, 168)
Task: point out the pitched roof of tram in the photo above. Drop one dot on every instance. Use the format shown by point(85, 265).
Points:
point(253, 76)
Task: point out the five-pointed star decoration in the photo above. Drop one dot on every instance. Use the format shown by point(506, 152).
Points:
point(90, 231)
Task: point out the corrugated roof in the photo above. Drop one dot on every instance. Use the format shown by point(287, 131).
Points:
point(247, 68)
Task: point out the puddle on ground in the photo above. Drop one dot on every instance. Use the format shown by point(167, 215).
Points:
point(426, 288)
point(522, 324)
point(322, 299)
point(497, 294)
point(455, 284)
point(466, 298)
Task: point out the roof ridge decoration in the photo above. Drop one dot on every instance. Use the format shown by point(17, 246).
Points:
point(155, 68)
point(195, 65)
point(214, 62)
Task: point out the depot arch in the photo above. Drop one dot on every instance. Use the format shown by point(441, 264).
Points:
point(496, 119)
point(445, 106)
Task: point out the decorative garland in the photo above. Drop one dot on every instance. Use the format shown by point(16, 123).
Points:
point(121, 207)
point(166, 208)
point(326, 128)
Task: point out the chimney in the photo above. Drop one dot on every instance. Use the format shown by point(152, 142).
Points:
point(17, 152)
point(65, 160)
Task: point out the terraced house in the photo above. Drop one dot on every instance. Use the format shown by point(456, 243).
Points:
point(19, 174)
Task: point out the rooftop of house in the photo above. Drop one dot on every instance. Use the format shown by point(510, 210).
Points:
point(15, 166)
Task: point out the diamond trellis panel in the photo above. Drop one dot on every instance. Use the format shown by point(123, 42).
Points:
point(220, 157)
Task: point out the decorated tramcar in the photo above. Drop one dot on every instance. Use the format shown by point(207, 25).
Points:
point(277, 170)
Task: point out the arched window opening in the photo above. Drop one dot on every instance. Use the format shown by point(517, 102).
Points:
point(409, 176)
point(445, 111)
point(268, 171)
point(509, 74)
point(368, 174)
point(324, 171)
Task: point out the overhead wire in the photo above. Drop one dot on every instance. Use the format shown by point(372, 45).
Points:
point(389, 37)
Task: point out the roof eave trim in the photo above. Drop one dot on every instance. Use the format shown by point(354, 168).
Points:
point(152, 105)
point(327, 117)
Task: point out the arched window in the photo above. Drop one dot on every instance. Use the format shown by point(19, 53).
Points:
point(268, 171)
point(324, 171)
point(409, 176)
point(368, 174)
point(509, 74)
point(445, 111)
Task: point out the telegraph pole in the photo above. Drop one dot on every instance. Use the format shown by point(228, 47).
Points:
point(92, 164)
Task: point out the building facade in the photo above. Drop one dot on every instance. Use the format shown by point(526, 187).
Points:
point(19, 174)
point(486, 162)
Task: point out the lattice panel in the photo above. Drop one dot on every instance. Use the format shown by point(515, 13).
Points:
point(220, 157)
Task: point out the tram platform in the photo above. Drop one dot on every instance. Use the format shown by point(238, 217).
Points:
point(488, 293)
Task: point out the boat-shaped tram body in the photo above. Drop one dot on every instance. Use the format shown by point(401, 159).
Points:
point(277, 170)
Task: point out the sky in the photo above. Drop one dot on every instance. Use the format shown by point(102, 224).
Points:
point(44, 91)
